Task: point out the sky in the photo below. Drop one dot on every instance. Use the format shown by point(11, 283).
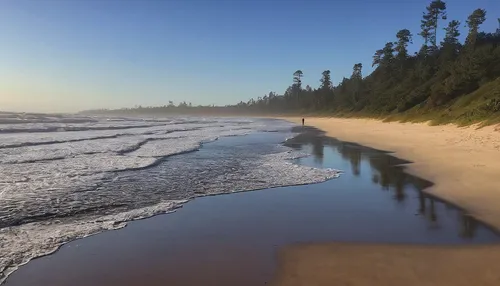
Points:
point(69, 55)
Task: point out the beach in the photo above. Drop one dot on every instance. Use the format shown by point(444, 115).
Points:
point(316, 202)
point(463, 165)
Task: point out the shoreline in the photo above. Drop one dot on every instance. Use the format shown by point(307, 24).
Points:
point(466, 157)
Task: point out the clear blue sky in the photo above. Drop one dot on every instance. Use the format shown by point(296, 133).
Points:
point(76, 54)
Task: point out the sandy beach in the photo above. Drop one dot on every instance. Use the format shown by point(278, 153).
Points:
point(462, 162)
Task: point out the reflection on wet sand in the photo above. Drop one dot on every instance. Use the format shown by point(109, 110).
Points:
point(469, 225)
point(387, 171)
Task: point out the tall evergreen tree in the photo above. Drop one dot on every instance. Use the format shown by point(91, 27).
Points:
point(430, 22)
point(297, 79)
point(356, 79)
point(475, 20)
point(297, 86)
point(404, 38)
point(356, 71)
point(324, 94)
point(377, 57)
point(451, 45)
point(388, 54)
point(425, 34)
point(452, 33)
point(326, 81)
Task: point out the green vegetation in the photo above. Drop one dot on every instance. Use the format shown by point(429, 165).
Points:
point(443, 82)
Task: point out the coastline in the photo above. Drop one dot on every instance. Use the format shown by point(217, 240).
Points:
point(462, 162)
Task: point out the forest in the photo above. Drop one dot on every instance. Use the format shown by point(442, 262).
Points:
point(446, 81)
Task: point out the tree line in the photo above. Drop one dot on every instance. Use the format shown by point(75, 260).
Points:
point(446, 80)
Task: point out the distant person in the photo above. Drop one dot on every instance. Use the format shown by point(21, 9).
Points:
point(303, 121)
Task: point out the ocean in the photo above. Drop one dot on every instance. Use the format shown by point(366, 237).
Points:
point(67, 176)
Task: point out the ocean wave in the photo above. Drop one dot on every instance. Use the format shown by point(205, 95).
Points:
point(26, 118)
point(38, 128)
point(47, 178)
point(30, 139)
point(158, 148)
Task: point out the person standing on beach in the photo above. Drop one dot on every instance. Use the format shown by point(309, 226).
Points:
point(303, 121)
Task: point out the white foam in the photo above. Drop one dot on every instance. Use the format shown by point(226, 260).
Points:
point(20, 244)
point(69, 149)
point(269, 171)
point(20, 139)
point(77, 166)
point(167, 147)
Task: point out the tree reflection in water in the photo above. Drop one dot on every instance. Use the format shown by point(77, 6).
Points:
point(317, 149)
point(387, 171)
point(468, 225)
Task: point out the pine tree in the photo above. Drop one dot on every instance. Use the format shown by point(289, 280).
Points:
point(325, 90)
point(356, 79)
point(388, 54)
point(356, 71)
point(404, 38)
point(297, 79)
point(326, 81)
point(297, 86)
point(452, 33)
point(377, 57)
point(451, 45)
point(475, 20)
point(430, 22)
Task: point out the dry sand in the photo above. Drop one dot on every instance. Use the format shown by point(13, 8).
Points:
point(464, 164)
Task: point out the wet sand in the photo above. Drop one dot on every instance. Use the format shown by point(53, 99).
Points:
point(388, 265)
point(234, 239)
